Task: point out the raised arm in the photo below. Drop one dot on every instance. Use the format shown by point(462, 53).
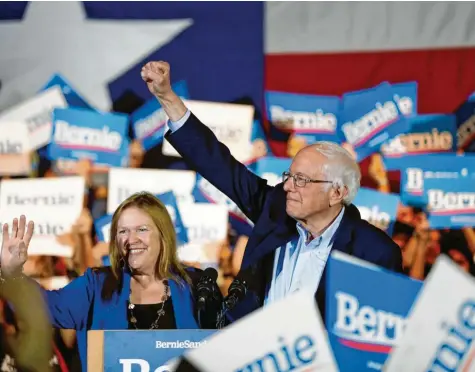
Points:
point(200, 148)
point(68, 307)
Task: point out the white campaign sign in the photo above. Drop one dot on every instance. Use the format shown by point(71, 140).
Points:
point(286, 336)
point(124, 182)
point(230, 122)
point(207, 226)
point(36, 114)
point(14, 149)
point(54, 204)
point(440, 330)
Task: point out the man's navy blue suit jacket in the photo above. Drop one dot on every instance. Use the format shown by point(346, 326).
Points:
point(265, 206)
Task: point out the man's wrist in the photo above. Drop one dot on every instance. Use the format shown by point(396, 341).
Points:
point(173, 105)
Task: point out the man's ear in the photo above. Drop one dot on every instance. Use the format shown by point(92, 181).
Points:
point(338, 194)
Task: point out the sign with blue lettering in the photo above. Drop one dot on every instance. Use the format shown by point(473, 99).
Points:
point(79, 133)
point(429, 134)
point(439, 166)
point(140, 351)
point(205, 192)
point(148, 121)
point(366, 311)
point(451, 201)
point(405, 96)
point(465, 117)
point(73, 98)
point(311, 116)
point(271, 168)
point(378, 208)
point(369, 118)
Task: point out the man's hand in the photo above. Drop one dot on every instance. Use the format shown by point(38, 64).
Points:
point(157, 77)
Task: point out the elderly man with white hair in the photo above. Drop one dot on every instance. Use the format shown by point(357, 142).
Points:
point(298, 222)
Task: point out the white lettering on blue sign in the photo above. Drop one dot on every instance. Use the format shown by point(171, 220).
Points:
point(72, 135)
point(425, 142)
point(365, 323)
point(383, 114)
point(439, 200)
point(414, 180)
point(466, 132)
point(148, 125)
point(300, 120)
point(375, 216)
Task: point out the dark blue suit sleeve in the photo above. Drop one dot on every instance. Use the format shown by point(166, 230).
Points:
point(202, 151)
point(69, 306)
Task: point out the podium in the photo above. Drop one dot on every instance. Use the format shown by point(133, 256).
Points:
point(140, 351)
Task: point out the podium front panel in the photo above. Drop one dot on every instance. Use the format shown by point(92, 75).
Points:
point(140, 351)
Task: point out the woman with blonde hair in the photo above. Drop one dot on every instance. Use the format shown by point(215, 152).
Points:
point(146, 287)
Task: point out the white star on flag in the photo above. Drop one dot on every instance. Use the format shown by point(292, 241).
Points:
point(56, 37)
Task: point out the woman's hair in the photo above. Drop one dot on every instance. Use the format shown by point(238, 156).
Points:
point(167, 264)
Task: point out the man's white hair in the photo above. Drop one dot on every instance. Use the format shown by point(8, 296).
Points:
point(341, 168)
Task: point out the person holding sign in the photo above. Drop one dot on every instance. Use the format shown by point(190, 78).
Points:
point(297, 222)
point(146, 287)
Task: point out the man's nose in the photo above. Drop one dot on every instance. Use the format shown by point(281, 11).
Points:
point(289, 184)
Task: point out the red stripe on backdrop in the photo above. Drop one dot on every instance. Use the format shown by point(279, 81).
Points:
point(445, 76)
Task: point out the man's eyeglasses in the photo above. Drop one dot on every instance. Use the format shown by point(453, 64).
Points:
point(299, 180)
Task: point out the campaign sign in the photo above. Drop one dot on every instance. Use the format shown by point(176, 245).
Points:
point(260, 145)
point(405, 96)
point(440, 331)
point(451, 202)
point(366, 311)
point(149, 121)
point(378, 208)
point(141, 351)
point(438, 166)
point(271, 168)
point(14, 149)
point(429, 134)
point(287, 335)
point(73, 98)
point(36, 113)
point(102, 226)
point(54, 204)
point(207, 227)
point(124, 182)
point(80, 133)
point(465, 117)
point(205, 192)
point(369, 118)
point(313, 117)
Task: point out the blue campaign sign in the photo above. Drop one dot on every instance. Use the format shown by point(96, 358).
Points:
point(271, 168)
point(465, 117)
point(148, 350)
point(169, 199)
point(148, 121)
point(405, 96)
point(311, 116)
point(451, 202)
point(429, 134)
point(369, 118)
point(378, 208)
point(366, 312)
point(205, 192)
point(260, 144)
point(80, 133)
point(102, 226)
point(438, 166)
point(73, 98)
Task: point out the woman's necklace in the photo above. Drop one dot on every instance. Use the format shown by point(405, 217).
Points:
point(160, 311)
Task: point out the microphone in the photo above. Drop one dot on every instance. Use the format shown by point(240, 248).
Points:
point(206, 286)
point(236, 292)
